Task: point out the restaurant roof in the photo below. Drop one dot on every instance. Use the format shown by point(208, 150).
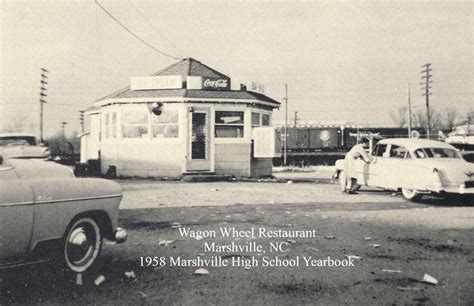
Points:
point(189, 67)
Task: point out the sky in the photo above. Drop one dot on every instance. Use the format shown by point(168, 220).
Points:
point(348, 61)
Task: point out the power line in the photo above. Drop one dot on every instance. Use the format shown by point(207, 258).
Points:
point(157, 31)
point(49, 104)
point(135, 35)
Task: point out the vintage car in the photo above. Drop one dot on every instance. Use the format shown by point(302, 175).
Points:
point(22, 145)
point(415, 167)
point(48, 213)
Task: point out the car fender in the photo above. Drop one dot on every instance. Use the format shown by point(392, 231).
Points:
point(59, 201)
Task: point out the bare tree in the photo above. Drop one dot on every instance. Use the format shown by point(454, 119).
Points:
point(19, 123)
point(400, 116)
point(420, 120)
point(450, 117)
point(468, 118)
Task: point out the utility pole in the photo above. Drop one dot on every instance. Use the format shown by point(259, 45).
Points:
point(409, 112)
point(63, 126)
point(426, 76)
point(296, 119)
point(42, 100)
point(81, 120)
point(469, 115)
point(285, 147)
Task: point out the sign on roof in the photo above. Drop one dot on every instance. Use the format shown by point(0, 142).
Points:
point(194, 82)
point(156, 82)
point(255, 87)
point(215, 83)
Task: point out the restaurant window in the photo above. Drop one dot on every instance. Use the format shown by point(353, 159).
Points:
point(165, 125)
point(229, 124)
point(255, 119)
point(135, 122)
point(265, 119)
point(111, 125)
point(107, 122)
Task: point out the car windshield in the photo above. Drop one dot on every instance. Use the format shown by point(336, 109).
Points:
point(17, 141)
point(436, 153)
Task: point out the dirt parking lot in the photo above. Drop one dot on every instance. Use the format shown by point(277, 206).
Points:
point(393, 244)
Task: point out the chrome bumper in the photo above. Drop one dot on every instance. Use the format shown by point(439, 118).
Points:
point(120, 235)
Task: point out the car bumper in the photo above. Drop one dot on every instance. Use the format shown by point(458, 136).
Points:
point(120, 235)
point(457, 190)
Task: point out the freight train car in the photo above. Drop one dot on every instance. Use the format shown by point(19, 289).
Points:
point(313, 139)
point(350, 134)
point(314, 145)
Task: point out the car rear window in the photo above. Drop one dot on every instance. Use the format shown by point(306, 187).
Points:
point(469, 157)
point(436, 153)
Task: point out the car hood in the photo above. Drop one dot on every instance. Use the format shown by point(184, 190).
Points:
point(39, 169)
point(24, 151)
point(452, 170)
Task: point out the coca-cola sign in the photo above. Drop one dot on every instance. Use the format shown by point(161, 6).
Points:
point(215, 83)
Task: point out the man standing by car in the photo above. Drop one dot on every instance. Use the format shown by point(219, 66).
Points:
point(359, 150)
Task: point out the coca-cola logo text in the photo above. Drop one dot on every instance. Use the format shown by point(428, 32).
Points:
point(220, 83)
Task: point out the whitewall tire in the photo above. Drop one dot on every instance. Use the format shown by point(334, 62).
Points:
point(411, 194)
point(82, 245)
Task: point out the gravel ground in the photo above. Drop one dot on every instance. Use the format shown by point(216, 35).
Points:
point(396, 243)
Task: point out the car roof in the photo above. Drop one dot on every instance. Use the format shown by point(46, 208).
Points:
point(415, 143)
point(16, 135)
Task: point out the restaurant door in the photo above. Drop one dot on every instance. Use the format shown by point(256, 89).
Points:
point(199, 141)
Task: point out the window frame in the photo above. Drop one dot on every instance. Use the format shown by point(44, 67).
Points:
point(394, 147)
point(134, 107)
point(269, 119)
point(177, 124)
point(110, 130)
point(241, 125)
point(375, 151)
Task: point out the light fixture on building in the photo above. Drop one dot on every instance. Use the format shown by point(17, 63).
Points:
point(155, 108)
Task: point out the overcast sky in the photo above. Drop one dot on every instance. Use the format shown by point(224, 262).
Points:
point(343, 62)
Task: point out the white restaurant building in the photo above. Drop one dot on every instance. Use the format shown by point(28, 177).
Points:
point(187, 118)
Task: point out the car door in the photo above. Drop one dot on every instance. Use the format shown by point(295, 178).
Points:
point(375, 172)
point(16, 213)
point(397, 164)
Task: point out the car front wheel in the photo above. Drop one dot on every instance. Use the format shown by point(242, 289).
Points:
point(82, 245)
point(411, 194)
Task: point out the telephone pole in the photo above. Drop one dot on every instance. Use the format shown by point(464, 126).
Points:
point(296, 119)
point(409, 111)
point(426, 77)
point(42, 100)
point(285, 147)
point(81, 120)
point(63, 126)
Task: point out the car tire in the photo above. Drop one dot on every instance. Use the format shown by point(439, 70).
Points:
point(82, 245)
point(411, 194)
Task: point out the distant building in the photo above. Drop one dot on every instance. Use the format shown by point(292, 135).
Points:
point(187, 118)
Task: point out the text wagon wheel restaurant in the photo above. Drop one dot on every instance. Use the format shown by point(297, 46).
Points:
point(185, 119)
